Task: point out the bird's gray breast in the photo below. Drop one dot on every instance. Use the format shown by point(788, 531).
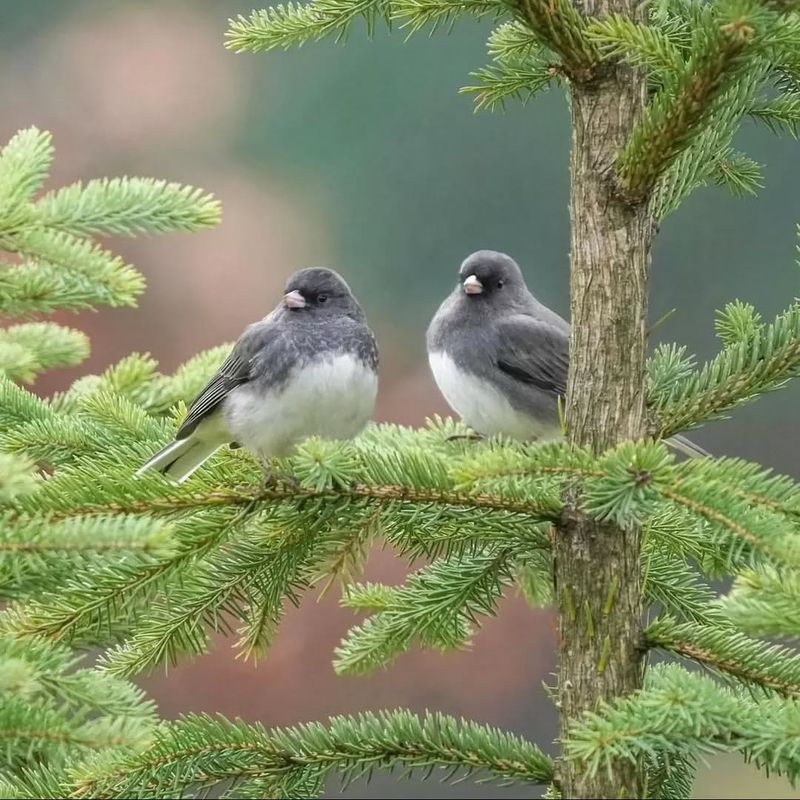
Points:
point(462, 354)
point(483, 404)
point(330, 395)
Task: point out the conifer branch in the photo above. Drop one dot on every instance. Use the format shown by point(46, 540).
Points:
point(33, 287)
point(80, 262)
point(731, 514)
point(743, 505)
point(517, 81)
point(737, 322)
point(679, 110)
point(60, 267)
point(766, 602)
point(533, 577)
point(18, 406)
point(436, 606)
point(714, 516)
point(24, 165)
point(561, 28)
point(54, 442)
point(671, 777)
point(26, 350)
point(780, 114)
point(418, 14)
point(685, 714)
point(262, 565)
point(427, 517)
point(755, 485)
point(669, 582)
point(16, 478)
point(293, 24)
point(729, 652)
point(738, 173)
point(52, 714)
point(384, 494)
point(127, 206)
point(759, 363)
point(119, 590)
point(203, 751)
point(520, 70)
point(649, 46)
point(512, 40)
point(38, 554)
point(38, 730)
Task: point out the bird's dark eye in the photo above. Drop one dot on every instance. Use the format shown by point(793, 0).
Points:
point(500, 284)
point(321, 298)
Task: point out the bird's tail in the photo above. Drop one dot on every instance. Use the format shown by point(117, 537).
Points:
point(686, 446)
point(178, 460)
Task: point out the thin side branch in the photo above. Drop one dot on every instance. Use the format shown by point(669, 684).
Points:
point(204, 751)
point(675, 115)
point(560, 26)
point(730, 652)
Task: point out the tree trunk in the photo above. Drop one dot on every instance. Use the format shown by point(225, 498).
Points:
point(597, 565)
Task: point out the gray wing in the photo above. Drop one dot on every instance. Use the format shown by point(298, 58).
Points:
point(534, 352)
point(234, 371)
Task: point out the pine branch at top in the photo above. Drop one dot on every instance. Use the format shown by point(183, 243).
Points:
point(293, 24)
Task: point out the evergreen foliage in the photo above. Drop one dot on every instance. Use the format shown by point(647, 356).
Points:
point(202, 751)
point(56, 264)
point(90, 555)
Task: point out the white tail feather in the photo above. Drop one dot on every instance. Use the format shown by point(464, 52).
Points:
point(686, 446)
point(178, 460)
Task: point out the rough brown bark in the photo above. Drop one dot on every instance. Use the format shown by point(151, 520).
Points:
point(597, 565)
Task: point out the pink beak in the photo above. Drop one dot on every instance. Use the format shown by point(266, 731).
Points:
point(294, 300)
point(472, 285)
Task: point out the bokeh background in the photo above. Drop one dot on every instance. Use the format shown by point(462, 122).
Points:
point(365, 158)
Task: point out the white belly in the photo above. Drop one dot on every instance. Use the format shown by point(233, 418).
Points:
point(484, 408)
point(333, 398)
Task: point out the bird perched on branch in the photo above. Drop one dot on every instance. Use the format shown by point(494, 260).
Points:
point(500, 357)
point(308, 368)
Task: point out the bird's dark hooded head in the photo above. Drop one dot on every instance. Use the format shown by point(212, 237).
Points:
point(490, 289)
point(319, 293)
point(489, 278)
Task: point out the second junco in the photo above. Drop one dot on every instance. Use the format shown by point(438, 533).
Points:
point(500, 357)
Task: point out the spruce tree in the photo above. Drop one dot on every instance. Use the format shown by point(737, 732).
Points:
point(625, 541)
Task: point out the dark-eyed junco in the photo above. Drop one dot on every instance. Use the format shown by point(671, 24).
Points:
point(500, 357)
point(308, 368)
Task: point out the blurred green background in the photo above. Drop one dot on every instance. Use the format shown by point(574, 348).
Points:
point(366, 159)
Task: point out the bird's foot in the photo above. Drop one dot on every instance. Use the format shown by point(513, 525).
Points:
point(472, 437)
point(274, 479)
point(290, 482)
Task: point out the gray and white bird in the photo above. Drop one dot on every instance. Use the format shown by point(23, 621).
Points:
point(308, 368)
point(500, 357)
